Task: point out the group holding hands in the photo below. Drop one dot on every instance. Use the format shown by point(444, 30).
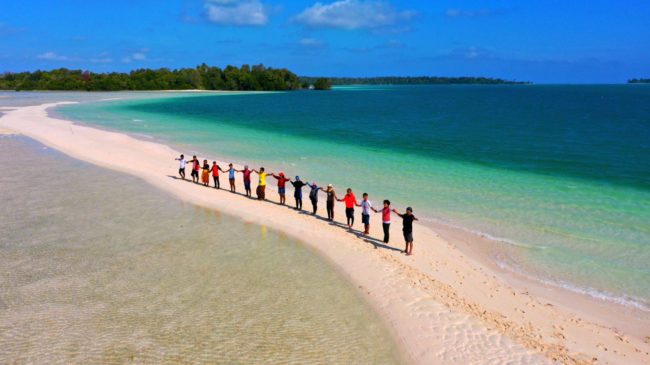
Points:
point(349, 199)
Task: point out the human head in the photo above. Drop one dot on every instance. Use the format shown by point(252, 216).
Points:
point(205, 161)
point(297, 178)
point(182, 156)
point(365, 196)
point(281, 173)
point(313, 183)
point(409, 210)
point(230, 164)
point(261, 169)
point(245, 167)
point(386, 203)
point(214, 162)
point(194, 157)
point(349, 190)
point(329, 187)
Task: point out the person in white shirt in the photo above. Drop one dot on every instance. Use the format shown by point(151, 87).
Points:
point(181, 166)
point(366, 206)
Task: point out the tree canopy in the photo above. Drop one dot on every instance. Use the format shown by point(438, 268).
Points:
point(322, 84)
point(203, 77)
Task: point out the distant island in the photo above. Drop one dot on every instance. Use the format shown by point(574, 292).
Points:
point(202, 77)
point(410, 80)
point(638, 81)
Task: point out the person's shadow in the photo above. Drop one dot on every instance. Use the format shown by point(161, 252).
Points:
point(373, 241)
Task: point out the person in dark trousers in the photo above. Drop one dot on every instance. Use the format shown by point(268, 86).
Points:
point(313, 196)
point(385, 219)
point(297, 191)
point(331, 198)
point(231, 177)
point(196, 166)
point(215, 174)
point(247, 180)
point(181, 166)
point(282, 187)
point(407, 229)
point(350, 201)
point(366, 206)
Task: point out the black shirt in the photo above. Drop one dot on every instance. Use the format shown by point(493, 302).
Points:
point(407, 221)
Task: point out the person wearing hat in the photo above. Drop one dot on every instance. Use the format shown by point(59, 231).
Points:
point(313, 196)
point(297, 191)
point(247, 180)
point(282, 181)
point(331, 198)
point(407, 229)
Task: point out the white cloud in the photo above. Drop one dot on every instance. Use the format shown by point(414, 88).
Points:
point(51, 56)
point(353, 14)
point(456, 13)
point(101, 60)
point(311, 43)
point(139, 56)
point(236, 12)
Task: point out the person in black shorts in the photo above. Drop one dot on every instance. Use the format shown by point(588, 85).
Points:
point(196, 166)
point(407, 229)
point(181, 166)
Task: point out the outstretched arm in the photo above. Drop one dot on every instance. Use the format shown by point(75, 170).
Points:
point(396, 212)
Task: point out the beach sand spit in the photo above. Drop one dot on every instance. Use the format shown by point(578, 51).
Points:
point(442, 306)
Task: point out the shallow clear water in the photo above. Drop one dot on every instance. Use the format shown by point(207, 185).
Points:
point(560, 175)
point(95, 267)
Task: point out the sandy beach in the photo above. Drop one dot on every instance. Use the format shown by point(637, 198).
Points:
point(444, 305)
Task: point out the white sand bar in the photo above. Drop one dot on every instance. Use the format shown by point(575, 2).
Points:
point(442, 306)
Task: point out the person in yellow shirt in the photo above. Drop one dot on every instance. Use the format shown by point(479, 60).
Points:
point(261, 186)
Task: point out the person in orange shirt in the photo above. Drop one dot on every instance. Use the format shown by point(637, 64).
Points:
point(350, 202)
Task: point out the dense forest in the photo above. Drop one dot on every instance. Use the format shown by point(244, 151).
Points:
point(202, 77)
point(409, 80)
point(638, 81)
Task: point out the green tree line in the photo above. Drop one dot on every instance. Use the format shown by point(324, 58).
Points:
point(203, 77)
point(409, 80)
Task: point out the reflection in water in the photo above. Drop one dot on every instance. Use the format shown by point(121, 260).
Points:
point(96, 267)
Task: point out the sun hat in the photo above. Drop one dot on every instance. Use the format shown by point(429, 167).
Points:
point(330, 186)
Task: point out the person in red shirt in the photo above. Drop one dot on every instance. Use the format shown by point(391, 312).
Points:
point(196, 166)
point(350, 202)
point(282, 181)
point(247, 180)
point(385, 219)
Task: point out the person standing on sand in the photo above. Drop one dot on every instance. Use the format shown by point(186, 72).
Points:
point(196, 166)
point(261, 186)
point(313, 196)
point(205, 175)
point(247, 180)
point(181, 166)
point(350, 201)
point(282, 181)
point(407, 229)
point(297, 191)
point(365, 213)
point(215, 174)
point(385, 219)
point(331, 197)
point(231, 177)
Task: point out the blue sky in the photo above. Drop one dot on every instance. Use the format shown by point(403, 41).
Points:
point(541, 41)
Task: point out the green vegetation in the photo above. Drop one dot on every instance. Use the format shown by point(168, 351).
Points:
point(322, 84)
point(202, 77)
point(408, 80)
point(638, 81)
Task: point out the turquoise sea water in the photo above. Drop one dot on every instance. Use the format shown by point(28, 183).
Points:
point(558, 175)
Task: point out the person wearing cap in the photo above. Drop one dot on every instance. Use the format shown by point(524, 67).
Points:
point(282, 181)
point(407, 229)
point(350, 201)
point(297, 191)
point(313, 196)
point(331, 198)
point(247, 180)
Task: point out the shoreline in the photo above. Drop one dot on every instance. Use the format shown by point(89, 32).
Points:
point(442, 305)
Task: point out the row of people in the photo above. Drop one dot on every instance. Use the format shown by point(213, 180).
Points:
point(206, 170)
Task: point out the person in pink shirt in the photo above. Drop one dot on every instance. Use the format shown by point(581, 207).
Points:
point(247, 180)
point(350, 202)
point(385, 219)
